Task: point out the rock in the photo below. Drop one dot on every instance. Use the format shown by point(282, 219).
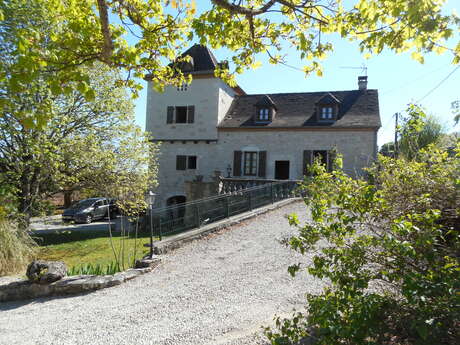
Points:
point(46, 272)
point(144, 263)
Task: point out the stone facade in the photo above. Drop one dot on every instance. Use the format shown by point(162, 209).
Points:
point(217, 132)
point(211, 98)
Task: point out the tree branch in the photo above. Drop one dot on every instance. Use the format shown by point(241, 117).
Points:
point(249, 12)
point(107, 49)
point(244, 10)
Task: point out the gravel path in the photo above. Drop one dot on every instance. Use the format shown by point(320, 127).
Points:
point(220, 290)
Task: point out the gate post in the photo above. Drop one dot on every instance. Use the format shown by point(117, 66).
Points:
point(159, 229)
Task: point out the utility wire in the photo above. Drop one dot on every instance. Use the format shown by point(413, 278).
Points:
point(397, 88)
point(439, 84)
point(426, 95)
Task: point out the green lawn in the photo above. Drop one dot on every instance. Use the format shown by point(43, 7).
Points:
point(79, 248)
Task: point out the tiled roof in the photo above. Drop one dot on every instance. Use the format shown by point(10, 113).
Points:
point(203, 58)
point(265, 101)
point(328, 98)
point(357, 109)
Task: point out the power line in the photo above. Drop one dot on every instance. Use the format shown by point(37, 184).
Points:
point(439, 84)
point(393, 89)
point(426, 95)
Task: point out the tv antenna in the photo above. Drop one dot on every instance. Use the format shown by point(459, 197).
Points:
point(363, 68)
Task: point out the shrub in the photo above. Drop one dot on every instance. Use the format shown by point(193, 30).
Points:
point(16, 248)
point(390, 251)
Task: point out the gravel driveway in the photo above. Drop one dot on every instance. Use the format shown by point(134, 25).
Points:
point(219, 290)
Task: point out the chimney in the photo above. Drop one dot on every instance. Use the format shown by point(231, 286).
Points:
point(362, 82)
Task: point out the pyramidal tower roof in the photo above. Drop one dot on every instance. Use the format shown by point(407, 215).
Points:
point(202, 58)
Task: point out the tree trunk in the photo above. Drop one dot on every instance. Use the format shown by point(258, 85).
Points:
point(67, 198)
point(25, 198)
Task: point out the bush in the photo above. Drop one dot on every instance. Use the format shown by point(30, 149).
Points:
point(16, 248)
point(390, 250)
point(41, 208)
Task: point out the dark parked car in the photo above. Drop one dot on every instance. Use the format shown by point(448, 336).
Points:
point(87, 210)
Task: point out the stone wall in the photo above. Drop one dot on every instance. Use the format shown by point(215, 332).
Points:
point(195, 190)
point(171, 181)
point(203, 94)
point(357, 147)
point(24, 289)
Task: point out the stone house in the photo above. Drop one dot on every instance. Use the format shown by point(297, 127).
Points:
point(208, 128)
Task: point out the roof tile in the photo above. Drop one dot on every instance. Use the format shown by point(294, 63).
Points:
point(358, 109)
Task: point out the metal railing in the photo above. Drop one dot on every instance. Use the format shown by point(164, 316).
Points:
point(182, 217)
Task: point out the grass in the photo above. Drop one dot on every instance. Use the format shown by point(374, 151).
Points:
point(90, 269)
point(16, 248)
point(79, 249)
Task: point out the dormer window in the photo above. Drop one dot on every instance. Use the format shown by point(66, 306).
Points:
point(327, 108)
point(327, 113)
point(264, 114)
point(265, 110)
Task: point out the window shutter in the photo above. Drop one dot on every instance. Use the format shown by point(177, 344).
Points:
point(170, 115)
point(307, 161)
point(271, 114)
point(190, 114)
point(262, 163)
point(237, 163)
point(181, 162)
point(330, 159)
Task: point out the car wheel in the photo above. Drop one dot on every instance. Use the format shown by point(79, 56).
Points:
point(88, 219)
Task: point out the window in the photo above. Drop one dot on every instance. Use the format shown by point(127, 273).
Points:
point(327, 113)
point(250, 163)
point(321, 155)
point(325, 157)
point(183, 87)
point(180, 114)
point(263, 114)
point(186, 162)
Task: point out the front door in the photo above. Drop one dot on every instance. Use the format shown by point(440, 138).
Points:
point(282, 170)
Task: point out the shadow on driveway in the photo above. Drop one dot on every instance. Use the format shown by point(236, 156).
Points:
point(56, 226)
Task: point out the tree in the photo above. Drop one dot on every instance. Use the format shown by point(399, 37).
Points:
point(388, 149)
point(144, 37)
point(418, 131)
point(388, 251)
point(456, 111)
point(85, 145)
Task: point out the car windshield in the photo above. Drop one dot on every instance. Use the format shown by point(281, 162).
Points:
point(83, 204)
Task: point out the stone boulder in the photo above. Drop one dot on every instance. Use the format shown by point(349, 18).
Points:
point(147, 262)
point(46, 272)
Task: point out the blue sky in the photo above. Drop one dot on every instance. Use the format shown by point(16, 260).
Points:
point(399, 80)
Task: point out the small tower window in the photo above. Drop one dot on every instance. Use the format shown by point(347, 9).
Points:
point(263, 114)
point(327, 113)
point(182, 87)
